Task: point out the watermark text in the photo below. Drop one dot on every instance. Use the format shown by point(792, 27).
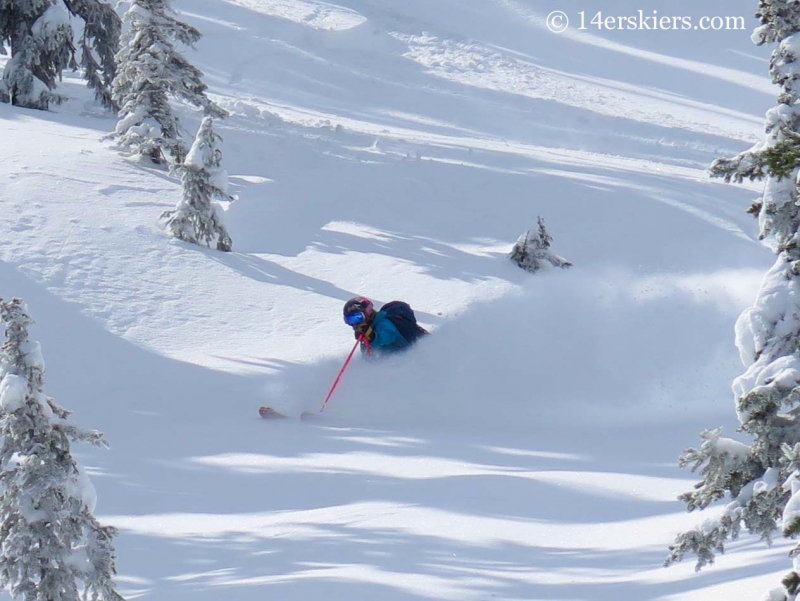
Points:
point(558, 22)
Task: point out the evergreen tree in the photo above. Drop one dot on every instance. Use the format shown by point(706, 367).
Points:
point(101, 37)
point(41, 40)
point(196, 219)
point(762, 480)
point(40, 37)
point(50, 543)
point(532, 250)
point(150, 71)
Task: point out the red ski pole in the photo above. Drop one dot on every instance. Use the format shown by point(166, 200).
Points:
point(341, 372)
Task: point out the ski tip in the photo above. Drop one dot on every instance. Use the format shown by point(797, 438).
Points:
point(269, 413)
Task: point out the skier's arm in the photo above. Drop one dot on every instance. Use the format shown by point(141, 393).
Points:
point(387, 335)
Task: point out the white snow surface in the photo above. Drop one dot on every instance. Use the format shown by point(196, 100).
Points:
point(528, 448)
point(81, 488)
point(55, 17)
point(13, 390)
point(317, 15)
point(792, 510)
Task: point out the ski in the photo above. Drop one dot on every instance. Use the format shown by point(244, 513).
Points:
point(270, 413)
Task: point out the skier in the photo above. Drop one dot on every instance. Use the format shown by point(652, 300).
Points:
point(394, 328)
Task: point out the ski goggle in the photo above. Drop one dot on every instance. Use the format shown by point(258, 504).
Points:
point(354, 319)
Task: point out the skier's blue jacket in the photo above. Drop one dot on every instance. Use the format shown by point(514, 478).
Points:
point(388, 338)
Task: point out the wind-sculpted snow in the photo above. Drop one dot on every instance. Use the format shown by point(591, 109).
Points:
point(496, 69)
point(318, 15)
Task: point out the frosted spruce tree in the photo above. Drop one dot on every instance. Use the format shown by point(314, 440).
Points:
point(51, 546)
point(761, 481)
point(150, 71)
point(40, 37)
point(99, 45)
point(41, 40)
point(532, 250)
point(197, 218)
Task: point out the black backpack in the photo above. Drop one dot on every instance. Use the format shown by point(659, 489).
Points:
point(402, 316)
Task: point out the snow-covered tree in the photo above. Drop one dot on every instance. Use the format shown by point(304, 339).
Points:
point(41, 40)
point(51, 546)
point(99, 45)
point(761, 480)
point(532, 250)
point(40, 37)
point(197, 218)
point(150, 71)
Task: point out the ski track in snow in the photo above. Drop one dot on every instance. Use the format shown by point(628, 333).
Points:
point(526, 450)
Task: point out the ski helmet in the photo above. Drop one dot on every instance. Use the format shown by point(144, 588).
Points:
point(358, 304)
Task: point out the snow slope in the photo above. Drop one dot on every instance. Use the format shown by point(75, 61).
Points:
point(527, 450)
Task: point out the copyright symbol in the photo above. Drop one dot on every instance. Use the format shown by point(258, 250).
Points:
point(557, 21)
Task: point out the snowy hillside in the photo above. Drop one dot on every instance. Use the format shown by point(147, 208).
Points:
point(526, 450)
